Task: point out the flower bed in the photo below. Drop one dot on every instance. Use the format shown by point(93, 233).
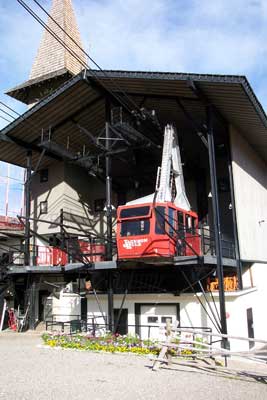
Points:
point(117, 343)
point(109, 343)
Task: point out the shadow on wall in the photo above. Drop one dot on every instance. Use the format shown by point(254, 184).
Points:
point(247, 159)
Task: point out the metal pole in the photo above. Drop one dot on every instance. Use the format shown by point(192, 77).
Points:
point(62, 231)
point(32, 305)
point(28, 208)
point(108, 198)
point(237, 249)
point(216, 220)
point(109, 232)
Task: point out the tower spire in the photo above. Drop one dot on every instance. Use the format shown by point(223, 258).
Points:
point(52, 56)
point(53, 64)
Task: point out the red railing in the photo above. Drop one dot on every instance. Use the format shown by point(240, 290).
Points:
point(10, 223)
point(86, 252)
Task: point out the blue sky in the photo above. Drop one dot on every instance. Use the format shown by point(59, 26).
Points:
point(218, 36)
point(202, 36)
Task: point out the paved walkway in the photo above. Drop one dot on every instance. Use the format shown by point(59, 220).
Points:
point(31, 371)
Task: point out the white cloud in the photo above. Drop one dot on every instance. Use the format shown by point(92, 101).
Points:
point(218, 36)
point(202, 36)
point(205, 36)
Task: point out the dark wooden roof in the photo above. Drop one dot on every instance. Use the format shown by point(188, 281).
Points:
point(82, 100)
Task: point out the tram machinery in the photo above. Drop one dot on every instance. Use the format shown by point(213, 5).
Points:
point(160, 225)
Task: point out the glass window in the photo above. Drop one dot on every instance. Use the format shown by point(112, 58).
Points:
point(152, 320)
point(188, 223)
point(194, 225)
point(43, 207)
point(134, 212)
point(135, 228)
point(99, 205)
point(44, 175)
point(160, 220)
point(180, 221)
point(164, 320)
point(171, 221)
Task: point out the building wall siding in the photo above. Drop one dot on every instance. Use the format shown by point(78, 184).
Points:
point(69, 188)
point(250, 187)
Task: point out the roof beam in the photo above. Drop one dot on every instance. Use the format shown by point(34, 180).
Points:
point(161, 96)
point(61, 151)
point(206, 101)
point(25, 145)
point(76, 113)
point(198, 129)
point(93, 82)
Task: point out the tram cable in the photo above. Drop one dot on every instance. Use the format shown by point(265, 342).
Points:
point(215, 306)
point(5, 119)
point(6, 113)
point(195, 282)
point(87, 55)
point(18, 116)
point(76, 56)
point(214, 323)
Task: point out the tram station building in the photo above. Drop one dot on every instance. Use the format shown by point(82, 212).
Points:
point(92, 141)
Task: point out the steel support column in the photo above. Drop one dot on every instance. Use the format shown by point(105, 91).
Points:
point(109, 227)
point(216, 218)
point(32, 304)
point(237, 249)
point(28, 208)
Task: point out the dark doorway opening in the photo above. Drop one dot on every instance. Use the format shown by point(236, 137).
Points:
point(250, 326)
point(43, 295)
point(122, 323)
point(84, 308)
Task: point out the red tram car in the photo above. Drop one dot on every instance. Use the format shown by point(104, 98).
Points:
point(156, 230)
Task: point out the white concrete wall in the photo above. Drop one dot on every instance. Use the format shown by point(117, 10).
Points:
point(250, 187)
point(67, 307)
point(259, 299)
point(192, 314)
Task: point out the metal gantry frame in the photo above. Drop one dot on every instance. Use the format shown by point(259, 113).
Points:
point(206, 134)
point(216, 216)
point(109, 219)
point(28, 207)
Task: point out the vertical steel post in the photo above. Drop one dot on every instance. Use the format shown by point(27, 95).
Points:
point(236, 239)
point(109, 232)
point(216, 218)
point(32, 304)
point(28, 208)
point(62, 231)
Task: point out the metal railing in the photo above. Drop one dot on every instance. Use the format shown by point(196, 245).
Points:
point(206, 349)
point(94, 328)
point(208, 244)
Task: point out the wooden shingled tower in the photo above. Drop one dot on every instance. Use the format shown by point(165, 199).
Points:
point(53, 64)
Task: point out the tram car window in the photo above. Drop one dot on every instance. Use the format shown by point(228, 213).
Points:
point(160, 220)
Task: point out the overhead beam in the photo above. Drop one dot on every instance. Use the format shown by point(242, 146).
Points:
point(206, 101)
point(76, 113)
point(26, 145)
point(111, 96)
point(91, 137)
point(108, 94)
point(199, 129)
point(161, 96)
